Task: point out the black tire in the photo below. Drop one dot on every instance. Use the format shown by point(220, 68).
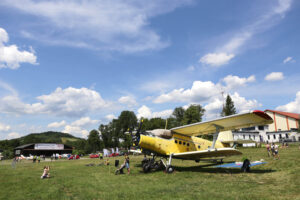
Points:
point(146, 168)
point(170, 169)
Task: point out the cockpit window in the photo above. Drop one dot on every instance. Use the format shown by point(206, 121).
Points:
point(183, 143)
point(188, 144)
point(179, 142)
point(198, 146)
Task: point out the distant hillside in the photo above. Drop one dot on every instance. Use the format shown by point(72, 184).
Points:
point(48, 137)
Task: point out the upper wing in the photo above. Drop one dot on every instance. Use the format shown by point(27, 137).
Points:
point(237, 121)
point(208, 153)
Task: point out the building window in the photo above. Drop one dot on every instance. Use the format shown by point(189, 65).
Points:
point(268, 137)
point(286, 135)
point(280, 136)
point(249, 129)
point(274, 136)
point(261, 128)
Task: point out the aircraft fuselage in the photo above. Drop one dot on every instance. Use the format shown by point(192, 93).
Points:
point(177, 144)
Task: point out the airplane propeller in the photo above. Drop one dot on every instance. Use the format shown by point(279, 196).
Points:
point(137, 136)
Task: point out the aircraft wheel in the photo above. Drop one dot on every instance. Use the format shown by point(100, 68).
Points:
point(170, 169)
point(146, 168)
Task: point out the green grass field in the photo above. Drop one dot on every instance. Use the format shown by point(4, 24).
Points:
point(278, 179)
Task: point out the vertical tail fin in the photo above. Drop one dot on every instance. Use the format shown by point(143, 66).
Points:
point(226, 138)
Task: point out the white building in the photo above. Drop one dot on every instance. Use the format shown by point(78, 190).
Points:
point(284, 128)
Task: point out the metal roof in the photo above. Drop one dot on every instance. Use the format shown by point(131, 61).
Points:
point(27, 145)
point(291, 115)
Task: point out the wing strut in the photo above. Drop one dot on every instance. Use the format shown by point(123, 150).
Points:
point(216, 134)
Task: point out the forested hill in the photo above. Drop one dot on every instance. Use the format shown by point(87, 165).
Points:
point(46, 137)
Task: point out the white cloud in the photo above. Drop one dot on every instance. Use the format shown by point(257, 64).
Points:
point(283, 6)
point(10, 56)
point(213, 108)
point(156, 86)
point(162, 114)
point(191, 68)
point(235, 81)
point(244, 105)
point(57, 124)
point(84, 121)
point(293, 106)
point(274, 76)
point(4, 127)
point(71, 102)
point(200, 92)
point(128, 100)
point(146, 112)
point(224, 53)
point(110, 117)
point(8, 88)
point(216, 59)
point(108, 25)
point(13, 135)
point(76, 130)
point(288, 60)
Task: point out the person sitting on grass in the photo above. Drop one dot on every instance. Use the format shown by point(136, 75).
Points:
point(106, 162)
point(46, 173)
point(120, 170)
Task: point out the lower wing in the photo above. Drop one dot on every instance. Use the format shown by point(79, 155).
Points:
point(208, 153)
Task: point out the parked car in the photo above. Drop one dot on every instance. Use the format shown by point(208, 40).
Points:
point(94, 155)
point(113, 154)
point(74, 157)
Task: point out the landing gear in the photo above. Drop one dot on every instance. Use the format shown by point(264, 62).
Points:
point(170, 169)
point(149, 164)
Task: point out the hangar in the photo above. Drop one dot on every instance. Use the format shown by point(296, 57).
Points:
point(284, 128)
point(47, 149)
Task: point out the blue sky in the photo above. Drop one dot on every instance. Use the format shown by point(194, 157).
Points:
point(71, 65)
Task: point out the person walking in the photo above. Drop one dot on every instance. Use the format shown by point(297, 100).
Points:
point(273, 149)
point(127, 163)
point(268, 147)
point(276, 155)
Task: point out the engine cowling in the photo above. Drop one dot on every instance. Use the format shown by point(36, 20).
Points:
point(163, 133)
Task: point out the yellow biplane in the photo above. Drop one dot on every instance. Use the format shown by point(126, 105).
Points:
point(182, 143)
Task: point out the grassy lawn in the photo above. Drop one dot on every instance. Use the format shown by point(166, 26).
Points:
point(278, 179)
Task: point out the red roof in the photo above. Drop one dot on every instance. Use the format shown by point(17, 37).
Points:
point(292, 115)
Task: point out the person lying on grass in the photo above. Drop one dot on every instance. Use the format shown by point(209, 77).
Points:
point(46, 173)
